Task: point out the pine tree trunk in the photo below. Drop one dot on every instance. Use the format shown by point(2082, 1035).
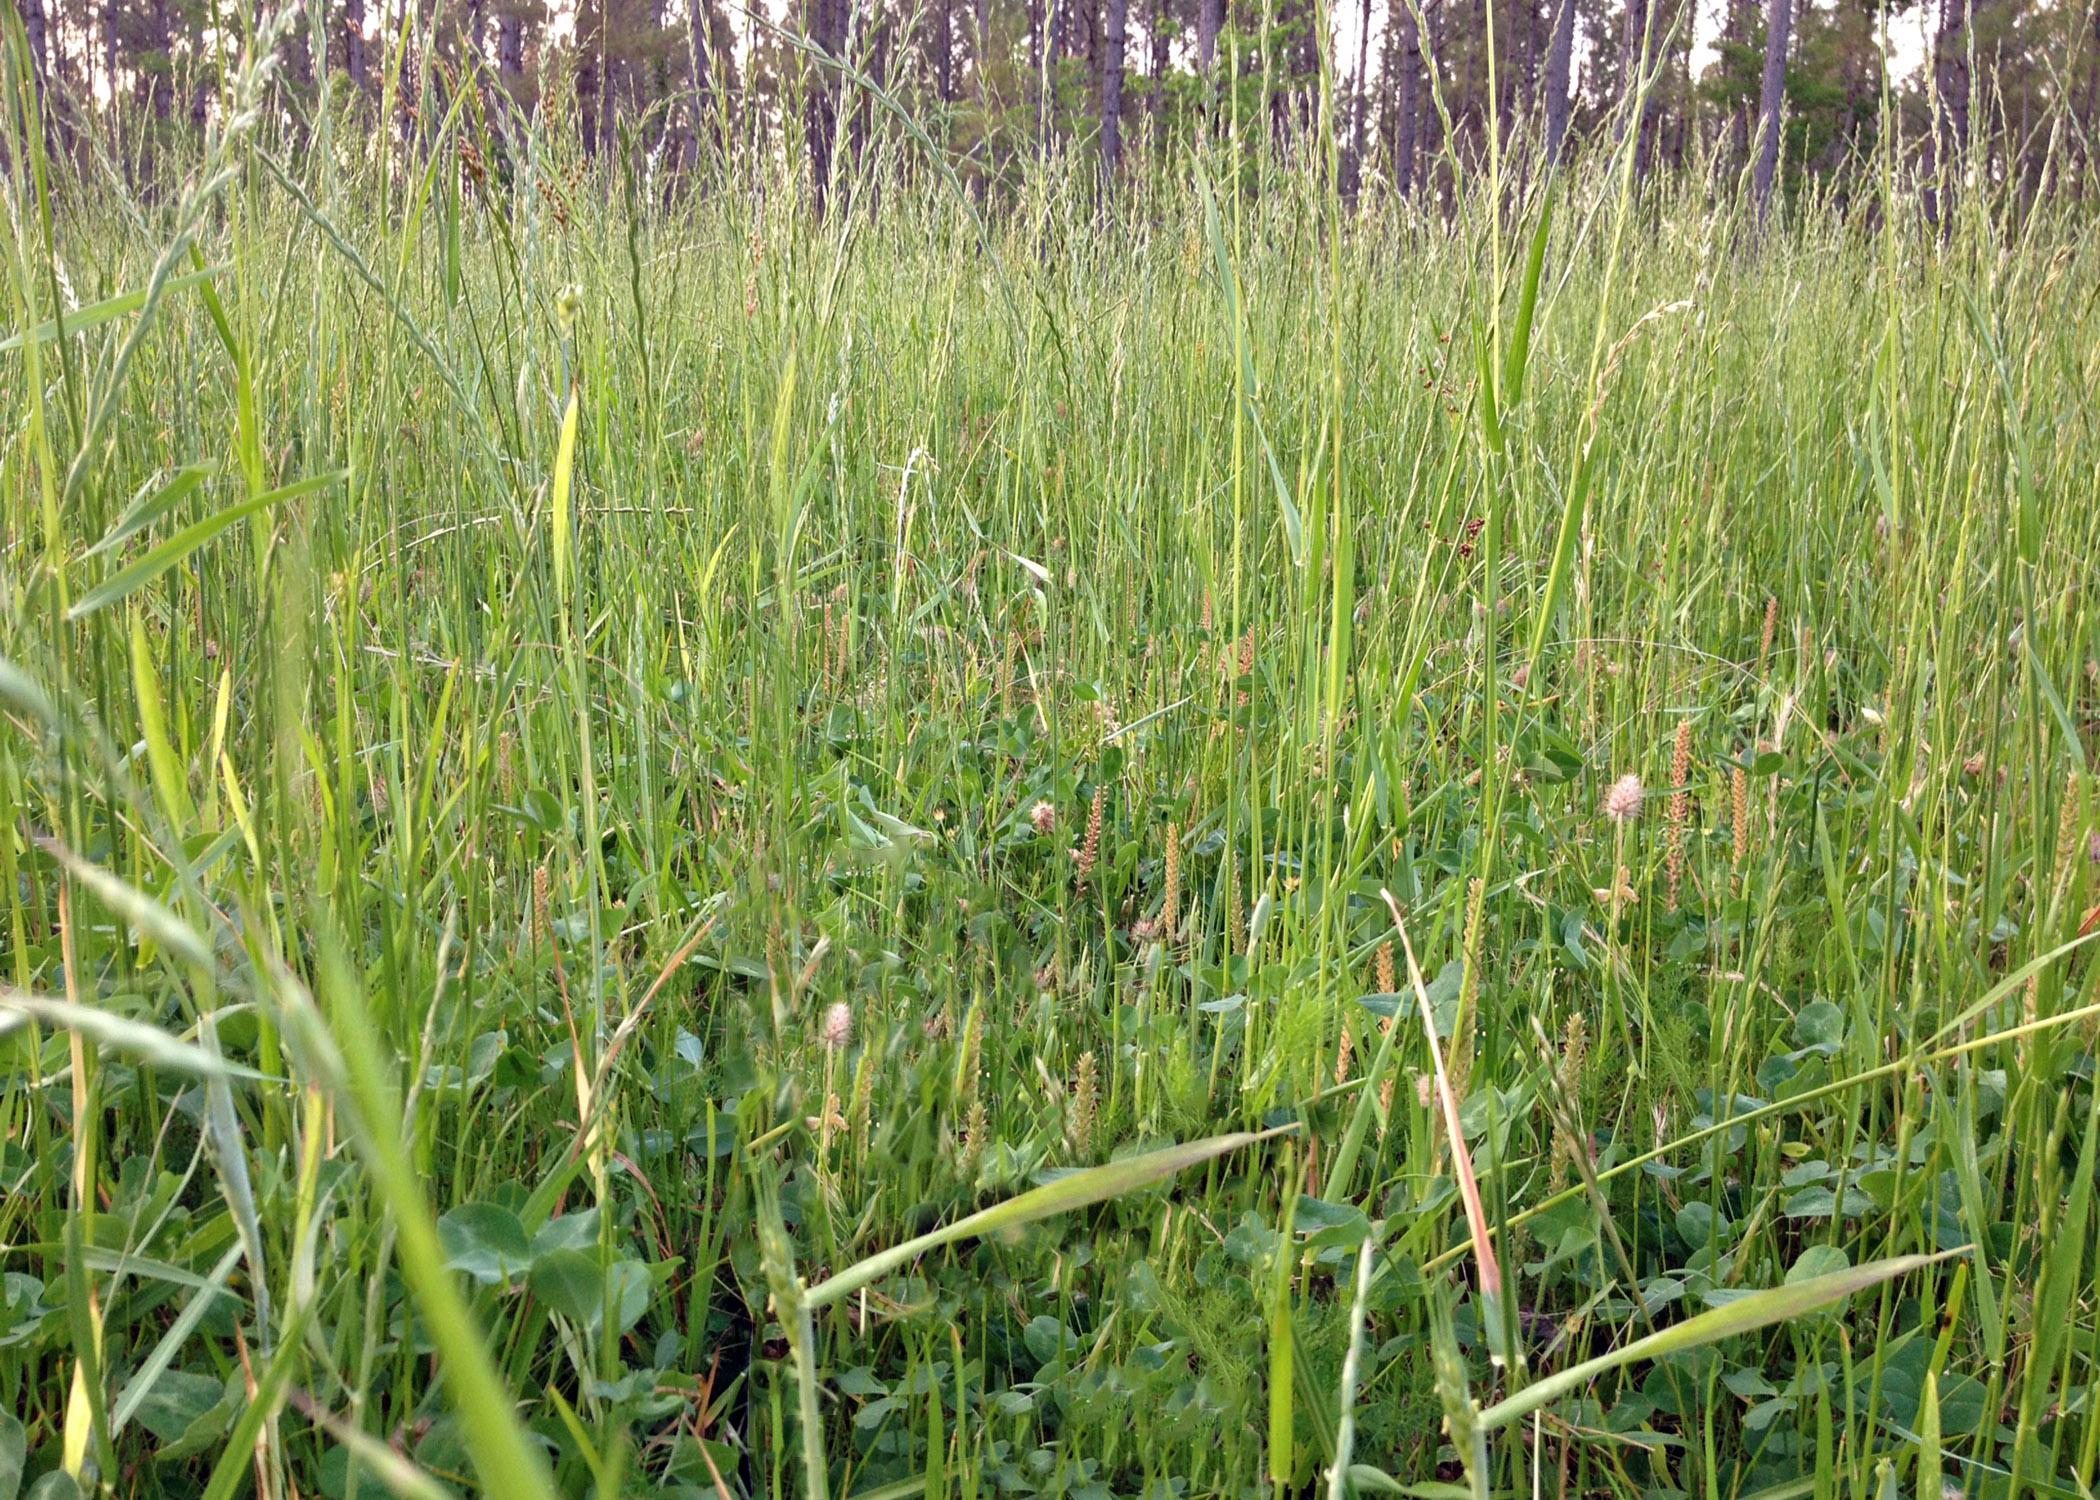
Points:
point(1771, 101)
point(1560, 59)
point(871, 44)
point(510, 48)
point(819, 110)
point(1360, 105)
point(36, 28)
point(353, 43)
point(698, 46)
point(1407, 103)
point(109, 47)
point(944, 51)
point(1038, 25)
point(1156, 73)
point(2091, 107)
point(1951, 81)
point(612, 71)
point(1527, 24)
point(1740, 26)
point(160, 83)
point(1210, 20)
point(1634, 64)
point(1114, 36)
point(589, 85)
point(981, 49)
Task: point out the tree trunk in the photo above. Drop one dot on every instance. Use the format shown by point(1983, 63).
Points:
point(1560, 59)
point(1210, 20)
point(613, 70)
point(159, 84)
point(109, 48)
point(1740, 27)
point(944, 51)
point(589, 82)
point(1156, 73)
point(510, 49)
point(817, 119)
point(655, 83)
point(1634, 64)
point(1951, 81)
point(1771, 101)
point(1520, 81)
point(2091, 107)
point(714, 76)
point(981, 49)
point(1060, 37)
point(699, 46)
point(1037, 25)
point(1114, 36)
point(353, 43)
point(1360, 105)
point(1407, 99)
point(36, 28)
point(823, 22)
point(871, 44)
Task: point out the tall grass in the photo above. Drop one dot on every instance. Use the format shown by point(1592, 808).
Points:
point(491, 661)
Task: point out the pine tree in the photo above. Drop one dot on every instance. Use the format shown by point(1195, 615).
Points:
point(1772, 101)
point(1559, 64)
point(1113, 39)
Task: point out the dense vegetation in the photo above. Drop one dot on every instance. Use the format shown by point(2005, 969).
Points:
point(582, 763)
point(1797, 95)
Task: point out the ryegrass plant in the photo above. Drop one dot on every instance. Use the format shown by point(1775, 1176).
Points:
point(493, 662)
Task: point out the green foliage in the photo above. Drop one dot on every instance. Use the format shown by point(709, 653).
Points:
point(660, 845)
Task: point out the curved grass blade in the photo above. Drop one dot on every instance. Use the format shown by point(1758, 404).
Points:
point(149, 505)
point(1062, 1195)
point(172, 551)
point(138, 910)
point(22, 693)
point(140, 1386)
point(147, 1044)
point(1744, 1315)
point(81, 319)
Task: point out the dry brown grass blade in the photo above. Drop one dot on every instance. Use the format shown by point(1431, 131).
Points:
point(1461, 1158)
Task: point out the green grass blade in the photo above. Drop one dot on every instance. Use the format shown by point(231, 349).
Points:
point(1743, 1315)
point(95, 314)
point(135, 1039)
point(129, 580)
point(1062, 1195)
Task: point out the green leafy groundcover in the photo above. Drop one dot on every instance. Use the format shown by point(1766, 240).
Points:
point(681, 847)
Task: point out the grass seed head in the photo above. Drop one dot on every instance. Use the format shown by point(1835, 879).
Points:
point(1090, 847)
point(1680, 804)
point(1086, 1103)
point(1171, 909)
point(1739, 813)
